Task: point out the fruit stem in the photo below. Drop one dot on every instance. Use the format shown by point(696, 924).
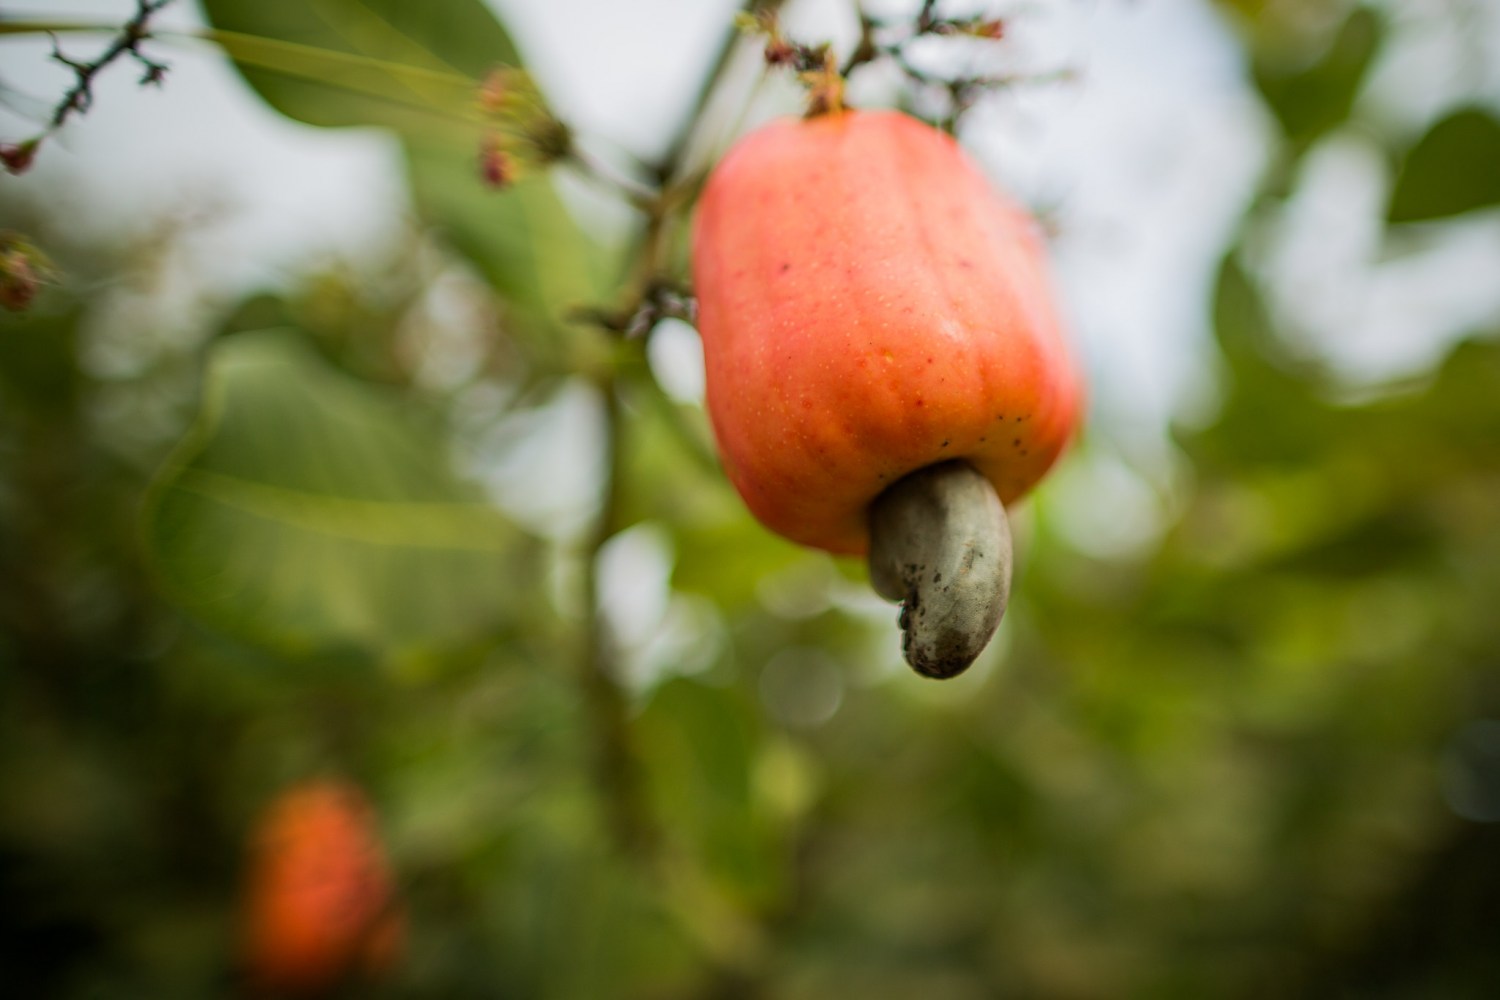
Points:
point(940, 546)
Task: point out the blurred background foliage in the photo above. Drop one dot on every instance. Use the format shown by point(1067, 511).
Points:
point(1257, 757)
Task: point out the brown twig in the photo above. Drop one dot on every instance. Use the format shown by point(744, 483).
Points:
point(80, 97)
point(639, 195)
point(866, 50)
point(17, 157)
point(887, 41)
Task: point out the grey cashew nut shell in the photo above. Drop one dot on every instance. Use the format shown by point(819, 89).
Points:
point(940, 545)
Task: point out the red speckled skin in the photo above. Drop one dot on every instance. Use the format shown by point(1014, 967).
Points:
point(869, 305)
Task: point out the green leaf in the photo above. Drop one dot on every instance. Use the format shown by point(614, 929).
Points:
point(313, 514)
point(699, 744)
point(1310, 100)
point(38, 361)
point(397, 57)
point(1454, 168)
point(728, 560)
point(1268, 413)
point(415, 68)
point(523, 240)
point(346, 88)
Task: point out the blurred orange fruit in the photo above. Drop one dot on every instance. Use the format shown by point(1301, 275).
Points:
point(320, 906)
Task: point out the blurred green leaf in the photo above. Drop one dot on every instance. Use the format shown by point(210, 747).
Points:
point(523, 241)
point(699, 743)
point(727, 560)
point(415, 68)
point(38, 361)
point(1269, 416)
point(350, 87)
point(1454, 168)
point(293, 50)
point(1309, 100)
point(311, 513)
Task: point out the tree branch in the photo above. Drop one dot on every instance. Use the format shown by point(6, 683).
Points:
point(17, 157)
point(616, 767)
point(80, 97)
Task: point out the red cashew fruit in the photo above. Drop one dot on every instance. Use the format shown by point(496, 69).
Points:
point(319, 906)
point(872, 308)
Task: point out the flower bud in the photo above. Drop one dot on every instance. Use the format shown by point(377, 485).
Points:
point(496, 168)
point(23, 271)
point(18, 156)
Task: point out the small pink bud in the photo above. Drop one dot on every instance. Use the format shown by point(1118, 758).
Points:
point(496, 168)
point(18, 279)
point(780, 52)
point(18, 156)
